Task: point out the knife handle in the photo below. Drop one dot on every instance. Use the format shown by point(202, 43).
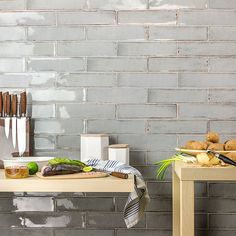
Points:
point(120, 175)
point(14, 105)
point(5, 103)
point(23, 102)
point(8, 110)
point(1, 104)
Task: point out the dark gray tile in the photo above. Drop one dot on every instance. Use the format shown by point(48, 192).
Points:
point(85, 204)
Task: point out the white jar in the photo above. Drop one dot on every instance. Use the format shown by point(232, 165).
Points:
point(119, 152)
point(94, 146)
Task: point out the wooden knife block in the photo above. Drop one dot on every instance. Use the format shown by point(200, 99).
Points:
point(6, 147)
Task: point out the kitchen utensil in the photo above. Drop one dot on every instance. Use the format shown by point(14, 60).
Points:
point(82, 175)
point(195, 152)
point(7, 107)
point(94, 146)
point(1, 105)
point(119, 175)
point(222, 158)
point(119, 152)
point(13, 119)
point(21, 125)
point(41, 161)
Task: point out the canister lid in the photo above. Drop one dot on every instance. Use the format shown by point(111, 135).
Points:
point(94, 135)
point(119, 146)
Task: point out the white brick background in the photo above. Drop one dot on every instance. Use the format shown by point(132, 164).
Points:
point(151, 73)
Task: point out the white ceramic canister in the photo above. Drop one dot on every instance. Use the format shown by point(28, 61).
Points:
point(119, 152)
point(94, 146)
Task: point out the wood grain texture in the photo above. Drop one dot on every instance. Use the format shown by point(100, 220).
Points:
point(186, 208)
point(36, 184)
point(86, 175)
point(176, 203)
point(194, 172)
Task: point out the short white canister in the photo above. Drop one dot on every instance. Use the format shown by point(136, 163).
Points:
point(119, 152)
point(94, 146)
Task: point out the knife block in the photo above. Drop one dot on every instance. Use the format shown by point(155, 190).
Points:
point(7, 150)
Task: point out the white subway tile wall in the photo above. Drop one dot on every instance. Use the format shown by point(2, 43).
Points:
point(150, 73)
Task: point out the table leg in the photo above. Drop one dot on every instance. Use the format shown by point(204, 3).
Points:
point(186, 208)
point(176, 203)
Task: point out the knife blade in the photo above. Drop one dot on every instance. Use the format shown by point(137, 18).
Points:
point(7, 107)
point(114, 173)
point(13, 120)
point(21, 125)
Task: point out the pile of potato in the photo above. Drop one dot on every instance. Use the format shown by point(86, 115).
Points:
point(212, 142)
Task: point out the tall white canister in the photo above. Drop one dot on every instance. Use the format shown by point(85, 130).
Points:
point(119, 152)
point(94, 146)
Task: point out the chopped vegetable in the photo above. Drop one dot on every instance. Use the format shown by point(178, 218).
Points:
point(87, 168)
point(66, 161)
point(205, 159)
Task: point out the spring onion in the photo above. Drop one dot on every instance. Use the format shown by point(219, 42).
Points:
point(164, 164)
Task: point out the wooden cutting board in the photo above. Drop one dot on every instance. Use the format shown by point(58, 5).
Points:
point(84, 175)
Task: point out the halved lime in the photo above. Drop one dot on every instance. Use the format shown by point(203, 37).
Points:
point(87, 168)
point(33, 168)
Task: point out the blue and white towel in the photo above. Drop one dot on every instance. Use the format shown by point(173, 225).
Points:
point(137, 200)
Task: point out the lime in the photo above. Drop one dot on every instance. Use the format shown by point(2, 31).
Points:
point(33, 168)
point(87, 168)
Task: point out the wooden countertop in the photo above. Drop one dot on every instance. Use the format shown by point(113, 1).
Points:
point(35, 184)
point(189, 171)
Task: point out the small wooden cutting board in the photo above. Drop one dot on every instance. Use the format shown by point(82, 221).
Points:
point(84, 175)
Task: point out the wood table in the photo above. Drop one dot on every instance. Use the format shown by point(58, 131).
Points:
point(183, 178)
point(35, 184)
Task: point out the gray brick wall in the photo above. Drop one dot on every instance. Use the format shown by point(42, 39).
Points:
point(148, 72)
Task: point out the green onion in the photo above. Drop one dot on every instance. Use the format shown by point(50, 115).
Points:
point(164, 164)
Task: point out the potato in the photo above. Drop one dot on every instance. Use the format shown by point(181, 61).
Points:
point(205, 145)
point(230, 145)
point(195, 145)
point(231, 155)
point(216, 147)
point(207, 159)
point(188, 145)
point(214, 161)
point(203, 158)
point(213, 137)
point(208, 143)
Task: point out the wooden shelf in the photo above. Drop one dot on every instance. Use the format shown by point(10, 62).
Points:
point(35, 184)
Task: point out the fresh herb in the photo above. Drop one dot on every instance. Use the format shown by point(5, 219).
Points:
point(66, 161)
point(164, 164)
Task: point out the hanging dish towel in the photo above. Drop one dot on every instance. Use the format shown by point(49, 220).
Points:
point(137, 200)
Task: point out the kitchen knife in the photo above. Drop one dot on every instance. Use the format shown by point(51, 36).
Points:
point(222, 158)
point(119, 175)
point(7, 107)
point(21, 125)
point(13, 120)
point(1, 105)
point(115, 174)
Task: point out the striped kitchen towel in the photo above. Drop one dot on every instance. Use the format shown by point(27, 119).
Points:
point(137, 200)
